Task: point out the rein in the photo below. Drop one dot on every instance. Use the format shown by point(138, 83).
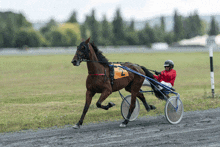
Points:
point(151, 70)
point(85, 60)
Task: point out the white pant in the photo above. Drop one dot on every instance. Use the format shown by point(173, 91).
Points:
point(167, 84)
point(147, 83)
point(164, 83)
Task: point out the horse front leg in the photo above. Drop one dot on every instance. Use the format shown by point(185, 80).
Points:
point(89, 96)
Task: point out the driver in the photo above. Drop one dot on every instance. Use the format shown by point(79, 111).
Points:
point(167, 76)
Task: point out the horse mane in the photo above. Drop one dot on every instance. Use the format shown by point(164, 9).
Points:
point(99, 55)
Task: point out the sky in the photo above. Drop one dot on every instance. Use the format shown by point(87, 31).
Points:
point(139, 10)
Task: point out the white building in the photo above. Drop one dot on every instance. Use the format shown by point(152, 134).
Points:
point(160, 46)
point(198, 41)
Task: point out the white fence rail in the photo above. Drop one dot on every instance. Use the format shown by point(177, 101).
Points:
point(108, 49)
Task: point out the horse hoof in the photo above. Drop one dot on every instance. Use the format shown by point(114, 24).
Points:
point(76, 127)
point(123, 125)
point(152, 107)
point(111, 104)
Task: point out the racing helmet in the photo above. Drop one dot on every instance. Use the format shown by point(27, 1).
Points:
point(169, 63)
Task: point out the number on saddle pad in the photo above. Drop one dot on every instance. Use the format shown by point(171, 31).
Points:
point(119, 72)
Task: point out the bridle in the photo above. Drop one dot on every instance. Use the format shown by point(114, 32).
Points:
point(83, 56)
point(83, 53)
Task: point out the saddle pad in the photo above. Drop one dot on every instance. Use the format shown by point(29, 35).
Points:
point(120, 72)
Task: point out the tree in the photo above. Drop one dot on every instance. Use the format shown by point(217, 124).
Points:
point(93, 26)
point(22, 22)
point(193, 25)
point(1, 38)
point(146, 36)
point(178, 27)
point(57, 38)
point(51, 24)
point(72, 32)
point(169, 37)
point(198, 23)
point(10, 23)
point(132, 38)
point(95, 32)
point(34, 39)
point(2, 26)
point(106, 32)
point(28, 37)
point(9, 34)
point(83, 30)
point(118, 29)
point(71, 36)
point(162, 23)
point(21, 39)
point(214, 29)
point(131, 35)
point(131, 27)
point(73, 17)
point(158, 34)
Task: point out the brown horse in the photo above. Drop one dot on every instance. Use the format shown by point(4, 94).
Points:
point(98, 80)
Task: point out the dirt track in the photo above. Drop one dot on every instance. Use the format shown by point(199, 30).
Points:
point(199, 128)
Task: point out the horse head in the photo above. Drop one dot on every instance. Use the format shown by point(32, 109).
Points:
point(82, 53)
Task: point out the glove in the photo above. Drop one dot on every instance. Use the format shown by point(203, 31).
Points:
point(157, 73)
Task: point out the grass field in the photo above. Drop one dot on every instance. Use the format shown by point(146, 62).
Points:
point(47, 90)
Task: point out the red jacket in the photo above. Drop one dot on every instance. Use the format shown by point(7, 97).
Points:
point(167, 76)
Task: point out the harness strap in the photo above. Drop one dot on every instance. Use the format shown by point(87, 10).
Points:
point(97, 74)
point(101, 75)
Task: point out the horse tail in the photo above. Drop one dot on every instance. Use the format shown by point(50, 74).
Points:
point(149, 74)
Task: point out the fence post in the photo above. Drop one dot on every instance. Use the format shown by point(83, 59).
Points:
point(211, 44)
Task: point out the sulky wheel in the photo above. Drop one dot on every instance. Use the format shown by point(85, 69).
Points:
point(174, 110)
point(125, 105)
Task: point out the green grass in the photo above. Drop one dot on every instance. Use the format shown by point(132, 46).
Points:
point(47, 90)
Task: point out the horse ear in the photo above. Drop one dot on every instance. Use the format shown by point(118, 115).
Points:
point(87, 41)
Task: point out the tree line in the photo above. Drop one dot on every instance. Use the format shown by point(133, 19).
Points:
point(17, 32)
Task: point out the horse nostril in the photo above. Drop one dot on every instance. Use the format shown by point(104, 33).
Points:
point(73, 61)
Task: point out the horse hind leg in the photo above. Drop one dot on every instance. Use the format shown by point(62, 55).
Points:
point(131, 109)
point(133, 89)
point(143, 100)
point(147, 107)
